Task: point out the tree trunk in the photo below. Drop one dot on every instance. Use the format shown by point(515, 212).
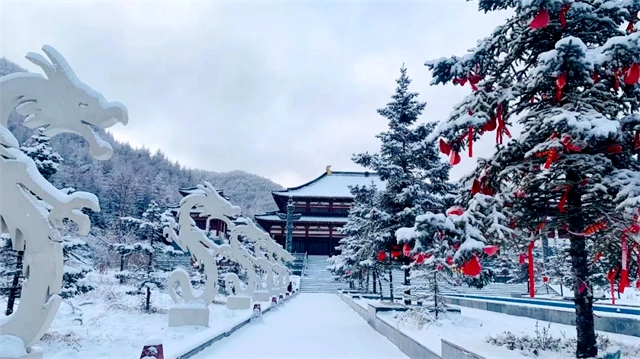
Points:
point(561, 294)
point(407, 282)
point(368, 275)
point(15, 284)
point(147, 305)
point(586, 345)
point(375, 289)
point(435, 292)
point(391, 284)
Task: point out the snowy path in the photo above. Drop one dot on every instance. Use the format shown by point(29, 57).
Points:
point(307, 326)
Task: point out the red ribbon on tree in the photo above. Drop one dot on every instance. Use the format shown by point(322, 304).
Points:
point(531, 277)
point(454, 158)
point(455, 210)
point(541, 20)
point(614, 148)
point(596, 77)
point(406, 250)
point(597, 257)
point(470, 140)
point(632, 75)
point(624, 272)
point(491, 125)
point(472, 267)
point(563, 13)
point(490, 250)
point(475, 187)
point(521, 258)
point(561, 81)
point(611, 276)
point(419, 258)
point(563, 199)
point(445, 148)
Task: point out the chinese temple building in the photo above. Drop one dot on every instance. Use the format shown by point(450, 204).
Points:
point(323, 205)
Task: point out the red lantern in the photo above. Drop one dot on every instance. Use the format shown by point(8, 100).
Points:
point(382, 256)
point(455, 210)
point(490, 250)
point(472, 267)
point(406, 250)
point(454, 158)
point(395, 254)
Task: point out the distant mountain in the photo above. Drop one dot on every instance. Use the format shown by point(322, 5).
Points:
point(132, 178)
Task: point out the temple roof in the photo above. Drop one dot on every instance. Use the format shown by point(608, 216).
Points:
point(333, 185)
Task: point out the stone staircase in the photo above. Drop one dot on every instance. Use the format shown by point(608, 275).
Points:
point(317, 279)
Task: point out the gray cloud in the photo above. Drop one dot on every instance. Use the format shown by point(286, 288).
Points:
point(280, 89)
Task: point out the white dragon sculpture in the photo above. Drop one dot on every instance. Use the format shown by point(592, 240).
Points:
point(209, 203)
point(31, 208)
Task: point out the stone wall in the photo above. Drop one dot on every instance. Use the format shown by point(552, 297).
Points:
point(619, 325)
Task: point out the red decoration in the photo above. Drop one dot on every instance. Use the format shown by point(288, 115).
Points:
point(490, 250)
point(561, 81)
point(520, 194)
point(501, 127)
point(545, 279)
point(631, 27)
point(624, 273)
point(475, 187)
point(419, 258)
point(563, 200)
point(611, 275)
point(472, 267)
point(491, 125)
point(449, 260)
point(532, 282)
point(569, 145)
point(563, 12)
point(633, 74)
point(406, 250)
point(596, 77)
point(614, 148)
point(439, 267)
point(445, 147)
point(470, 140)
point(636, 140)
point(541, 20)
point(594, 227)
point(521, 258)
point(348, 272)
point(395, 254)
point(454, 158)
point(598, 256)
point(382, 256)
point(455, 210)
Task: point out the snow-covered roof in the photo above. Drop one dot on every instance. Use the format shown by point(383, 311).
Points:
point(334, 185)
point(271, 217)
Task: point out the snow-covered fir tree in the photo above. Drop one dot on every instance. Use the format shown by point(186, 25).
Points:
point(145, 274)
point(559, 267)
point(567, 71)
point(77, 264)
point(362, 238)
point(38, 147)
point(416, 179)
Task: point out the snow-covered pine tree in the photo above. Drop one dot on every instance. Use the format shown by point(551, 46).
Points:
point(416, 179)
point(38, 147)
point(567, 71)
point(147, 276)
point(358, 247)
point(77, 264)
point(559, 267)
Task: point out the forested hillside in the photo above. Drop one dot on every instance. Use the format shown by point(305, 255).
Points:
point(132, 178)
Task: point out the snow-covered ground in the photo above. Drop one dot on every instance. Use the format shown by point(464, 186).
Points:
point(108, 323)
point(309, 326)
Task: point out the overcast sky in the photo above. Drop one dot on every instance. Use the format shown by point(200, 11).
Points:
point(280, 89)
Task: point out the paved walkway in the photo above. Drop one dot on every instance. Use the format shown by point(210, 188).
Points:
point(310, 325)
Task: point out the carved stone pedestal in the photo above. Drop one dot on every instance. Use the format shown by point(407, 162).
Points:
point(238, 302)
point(189, 315)
point(261, 296)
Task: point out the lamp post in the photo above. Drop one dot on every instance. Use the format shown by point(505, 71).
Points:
point(289, 217)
